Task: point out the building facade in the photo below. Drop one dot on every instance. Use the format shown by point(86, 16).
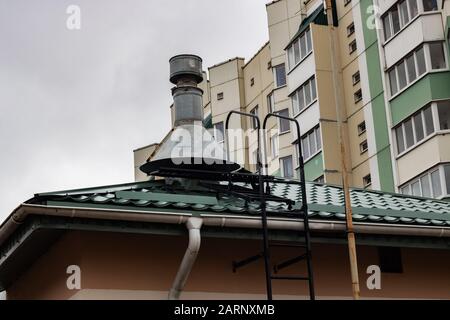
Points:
point(380, 68)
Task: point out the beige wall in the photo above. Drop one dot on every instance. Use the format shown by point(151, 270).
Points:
point(141, 156)
point(148, 263)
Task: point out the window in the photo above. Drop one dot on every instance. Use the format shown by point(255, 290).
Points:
point(280, 75)
point(363, 146)
point(390, 259)
point(437, 55)
point(254, 122)
point(219, 132)
point(252, 82)
point(414, 129)
point(311, 143)
point(367, 180)
point(361, 128)
point(304, 96)
point(444, 114)
point(357, 96)
point(393, 81)
point(413, 66)
point(274, 146)
point(270, 102)
point(352, 46)
point(320, 179)
point(398, 17)
point(350, 29)
point(299, 49)
point(255, 157)
point(429, 184)
point(284, 124)
point(356, 77)
point(287, 167)
point(220, 96)
point(420, 59)
point(430, 5)
point(401, 75)
point(447, 177)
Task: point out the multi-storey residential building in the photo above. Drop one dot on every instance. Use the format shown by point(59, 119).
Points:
point(378, 69)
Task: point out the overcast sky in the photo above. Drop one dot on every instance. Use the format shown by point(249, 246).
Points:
point(75, 103)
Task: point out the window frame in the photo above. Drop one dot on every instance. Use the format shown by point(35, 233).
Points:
point(282, 166)
point(301, 90)
point(280, 121)
point(276, 68)
point(253, 122)
point(420, 70)
point(428, 134)
point(305, 141)
point(294, 61)
point(223, 132)
point(443, 183)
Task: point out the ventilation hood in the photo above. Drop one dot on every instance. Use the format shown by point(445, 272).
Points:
point(188, 145)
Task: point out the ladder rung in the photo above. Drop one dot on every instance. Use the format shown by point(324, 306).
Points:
point(289, 262)
point(279, 277)
point(292, 245)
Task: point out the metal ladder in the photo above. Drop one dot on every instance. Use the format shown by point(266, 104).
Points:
point(264, 193)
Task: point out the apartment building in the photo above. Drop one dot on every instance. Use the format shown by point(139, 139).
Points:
point(378, 67)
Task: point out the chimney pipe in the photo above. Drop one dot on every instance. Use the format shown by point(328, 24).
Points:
point(186, 73)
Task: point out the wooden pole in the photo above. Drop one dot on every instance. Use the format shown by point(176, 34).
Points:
point(345, 184)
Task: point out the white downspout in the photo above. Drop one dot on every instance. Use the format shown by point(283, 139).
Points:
point(193, 224)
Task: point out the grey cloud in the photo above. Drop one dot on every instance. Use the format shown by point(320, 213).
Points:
point(74, 104)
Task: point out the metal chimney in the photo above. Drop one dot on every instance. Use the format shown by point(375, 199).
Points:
point(189, 145)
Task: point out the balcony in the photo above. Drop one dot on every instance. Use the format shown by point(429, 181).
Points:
point(429, 153)
point(424, 28)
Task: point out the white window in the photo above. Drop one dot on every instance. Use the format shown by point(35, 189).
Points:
point(254, 122)
point(219, 132)
point(434, 183)
point(357, 96)
point(413, 66)
point(287, 167)
point(437, 55)
point(280, 75)
point(299, 49)
point(367, 180)
point(398, 17)
point(356, 77)
point(320, 179)
point(255, 157)
point(414, 129)
point(363, 146)
point(352, 46)
point(304, 96)
point(350, 29)
point(311, 143)
point(430, 5)
point(284, 125)
point(444, 114)
point(361, 128)
point(270, 102)
point(274, 146)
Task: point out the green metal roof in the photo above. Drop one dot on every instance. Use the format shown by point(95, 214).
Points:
point(324, 201)
point(318, 17)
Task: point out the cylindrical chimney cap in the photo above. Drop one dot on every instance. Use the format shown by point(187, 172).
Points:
point(186, 66)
